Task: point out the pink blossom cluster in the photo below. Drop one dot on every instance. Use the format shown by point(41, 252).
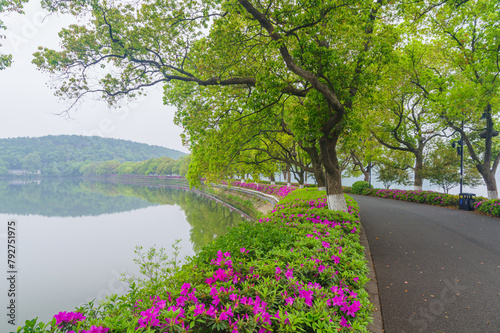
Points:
point(316, 219)
point(65, 319)
point(68, 318)
point(281, 191)
point(314, 204)
point(285, 190)
point(230, 304)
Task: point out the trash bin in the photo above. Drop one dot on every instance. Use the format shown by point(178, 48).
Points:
point(466, 201)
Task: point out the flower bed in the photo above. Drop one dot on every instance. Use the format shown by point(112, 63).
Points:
point(301, 268)
point(482, 205)
point(281, 191)
point(428, 197)
point(489, 207)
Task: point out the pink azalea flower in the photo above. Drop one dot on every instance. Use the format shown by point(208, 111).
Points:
point(337, 300)
point(211, 311)
point(307, 295)
point(199, 309)
point(181, 301)
point(185, 288)
point(216, 300)
point(64, 317)
point(344, 323)
point(352, 309)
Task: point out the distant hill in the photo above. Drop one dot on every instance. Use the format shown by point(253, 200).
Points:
point(65, 154)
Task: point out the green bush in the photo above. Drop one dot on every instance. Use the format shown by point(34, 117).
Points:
point(484, 205)
point(359, 186)
point(347, 189)
point(490, 207)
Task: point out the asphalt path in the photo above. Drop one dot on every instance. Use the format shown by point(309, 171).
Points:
point(438, 269)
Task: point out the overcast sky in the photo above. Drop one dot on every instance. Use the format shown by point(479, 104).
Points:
point(28, 106)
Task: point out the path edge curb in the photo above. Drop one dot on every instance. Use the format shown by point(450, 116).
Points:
point(371, 287)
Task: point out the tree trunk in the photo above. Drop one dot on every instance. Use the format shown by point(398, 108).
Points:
point(419, 164)
point(366, 175)
point(489, 170)
point(335, 195)
point(359, 163)
point(299, 176)
point(272, 179)
point(491, 185)
point(320, 178)
point(288, 177)
point(319, 175)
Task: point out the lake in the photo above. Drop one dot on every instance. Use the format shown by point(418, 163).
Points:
point(75, 238)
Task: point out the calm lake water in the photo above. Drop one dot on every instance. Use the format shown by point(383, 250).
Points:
point(75, 238)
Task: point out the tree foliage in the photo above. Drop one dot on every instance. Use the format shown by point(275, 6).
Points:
point(155, 166)
point(401, 119)
point(455, 64)
point(389, 175)
point(31, 163)
point(443, 168)
point(8, 6)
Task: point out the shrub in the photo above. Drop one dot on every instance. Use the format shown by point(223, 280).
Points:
point(484, 205)
point(347, 189)
point(490, 207)
point(359, 186)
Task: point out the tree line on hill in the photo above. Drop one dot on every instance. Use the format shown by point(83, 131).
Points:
point(154, 166)
point(65, 155)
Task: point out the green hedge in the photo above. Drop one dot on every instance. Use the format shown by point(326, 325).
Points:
point(301, 268)
point(359, 186)
point(482, 205)
point(489, 207)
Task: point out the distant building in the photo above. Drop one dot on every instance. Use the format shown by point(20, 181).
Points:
point(21, 172)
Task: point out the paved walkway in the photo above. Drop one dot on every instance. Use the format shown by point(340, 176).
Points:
point(438, 269)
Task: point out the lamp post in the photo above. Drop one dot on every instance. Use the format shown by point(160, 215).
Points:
point(370, 173)
point(460, 151)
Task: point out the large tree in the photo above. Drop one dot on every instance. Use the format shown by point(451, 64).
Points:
point(456, 66)
point(322, 52)
point(401, 119)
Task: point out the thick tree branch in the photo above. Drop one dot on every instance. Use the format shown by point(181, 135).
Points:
point(330, 97)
